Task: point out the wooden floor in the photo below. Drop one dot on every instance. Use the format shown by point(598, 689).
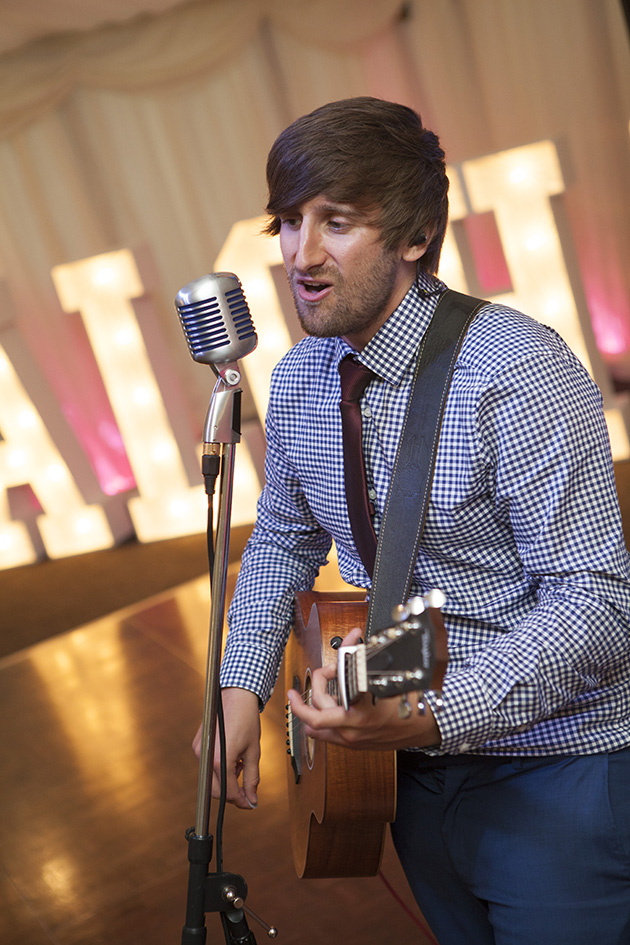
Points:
point(99, 785)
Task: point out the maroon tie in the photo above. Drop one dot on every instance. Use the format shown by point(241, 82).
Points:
point(354, 379)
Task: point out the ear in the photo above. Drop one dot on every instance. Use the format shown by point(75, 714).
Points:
point(414, 252)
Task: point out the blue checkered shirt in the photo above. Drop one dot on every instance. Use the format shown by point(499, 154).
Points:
point(523, 532)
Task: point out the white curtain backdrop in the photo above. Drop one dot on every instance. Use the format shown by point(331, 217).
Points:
point(152, 133)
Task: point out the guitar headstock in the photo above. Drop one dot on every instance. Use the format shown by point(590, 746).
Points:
point(408, 656)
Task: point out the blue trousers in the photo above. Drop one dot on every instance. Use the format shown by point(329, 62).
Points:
point(521, 852)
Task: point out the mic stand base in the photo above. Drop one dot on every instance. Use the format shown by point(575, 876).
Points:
point(213, 892)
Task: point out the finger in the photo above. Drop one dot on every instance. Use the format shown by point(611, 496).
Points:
point(353, 637)
point(234, 791)
point(317, 718)
point(251, 780)
point(324, 735)
point(242, 776)
point(320, 695)
point(196, 742)
point(328, 672)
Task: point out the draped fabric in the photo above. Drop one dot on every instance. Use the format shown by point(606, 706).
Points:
point(191, 40)
point(151, 131)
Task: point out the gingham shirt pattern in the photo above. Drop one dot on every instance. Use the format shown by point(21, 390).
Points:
point(523, 532)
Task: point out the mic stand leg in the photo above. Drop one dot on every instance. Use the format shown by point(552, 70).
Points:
point(216, 892)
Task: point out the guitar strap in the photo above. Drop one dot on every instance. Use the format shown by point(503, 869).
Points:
point(408, 496)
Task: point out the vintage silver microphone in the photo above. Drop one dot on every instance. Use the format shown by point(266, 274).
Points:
point(218, 327)
point(215, 317)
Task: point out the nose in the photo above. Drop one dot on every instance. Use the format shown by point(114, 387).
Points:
point(309, 250)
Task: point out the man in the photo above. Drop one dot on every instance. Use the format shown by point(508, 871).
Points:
point(513, 820)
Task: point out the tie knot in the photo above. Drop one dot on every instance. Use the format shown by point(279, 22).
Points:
point(355, 377)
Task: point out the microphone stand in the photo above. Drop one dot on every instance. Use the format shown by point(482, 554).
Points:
point(220, 891)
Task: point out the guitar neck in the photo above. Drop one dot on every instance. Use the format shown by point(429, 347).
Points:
point(398, 659)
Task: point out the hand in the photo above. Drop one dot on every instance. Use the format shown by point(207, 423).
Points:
point(365, 725)
point(242, 739)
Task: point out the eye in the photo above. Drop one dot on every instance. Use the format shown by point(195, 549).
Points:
point(338, 226)
point(290, 222)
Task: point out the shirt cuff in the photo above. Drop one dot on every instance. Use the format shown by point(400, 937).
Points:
point(253, 669)
point(462, 714)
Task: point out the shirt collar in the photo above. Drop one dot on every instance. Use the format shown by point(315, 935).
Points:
point(394, 345)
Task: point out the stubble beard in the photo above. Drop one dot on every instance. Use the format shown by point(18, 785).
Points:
point(350, 309)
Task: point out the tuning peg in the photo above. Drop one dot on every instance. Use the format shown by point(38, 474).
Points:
point(404, 707)
point(385, 636)
point(404, 612)
point(416, 606)
point(435, 598)
point(400, 613)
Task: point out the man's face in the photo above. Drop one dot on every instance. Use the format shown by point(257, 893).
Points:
point(343, 280)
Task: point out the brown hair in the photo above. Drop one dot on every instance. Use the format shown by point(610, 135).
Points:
point(372, 154)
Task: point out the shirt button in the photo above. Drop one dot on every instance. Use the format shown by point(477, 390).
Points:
point(366, 411)
point(372, 495)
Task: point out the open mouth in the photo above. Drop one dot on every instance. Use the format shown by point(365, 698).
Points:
point(312, 290)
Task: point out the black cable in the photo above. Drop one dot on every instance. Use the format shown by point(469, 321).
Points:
point(210, 468)
point(220, 717)
point(222, 804)
point(210, 540)
point(223, 785)
point(221, 729)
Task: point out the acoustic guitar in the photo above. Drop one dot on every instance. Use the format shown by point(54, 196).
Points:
point(340, 799)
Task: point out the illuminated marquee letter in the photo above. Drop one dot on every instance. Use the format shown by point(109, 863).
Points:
point(28, 455)
point(252, 256)
point(100, 288)
point(516, 186)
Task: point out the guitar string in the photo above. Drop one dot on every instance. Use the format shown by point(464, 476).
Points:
point(294, 722)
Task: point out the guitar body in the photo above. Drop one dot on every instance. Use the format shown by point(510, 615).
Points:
point(340, 800)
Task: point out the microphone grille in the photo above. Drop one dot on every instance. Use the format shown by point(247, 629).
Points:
point(215, 318)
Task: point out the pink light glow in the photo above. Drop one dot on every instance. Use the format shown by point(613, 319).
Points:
point(103, 446)
point(611, 320)
point(491, 266)
point(80, 392)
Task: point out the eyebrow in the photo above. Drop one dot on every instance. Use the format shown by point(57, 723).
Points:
point(331, 208)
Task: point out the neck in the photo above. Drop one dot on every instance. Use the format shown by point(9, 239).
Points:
point(358, 340)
